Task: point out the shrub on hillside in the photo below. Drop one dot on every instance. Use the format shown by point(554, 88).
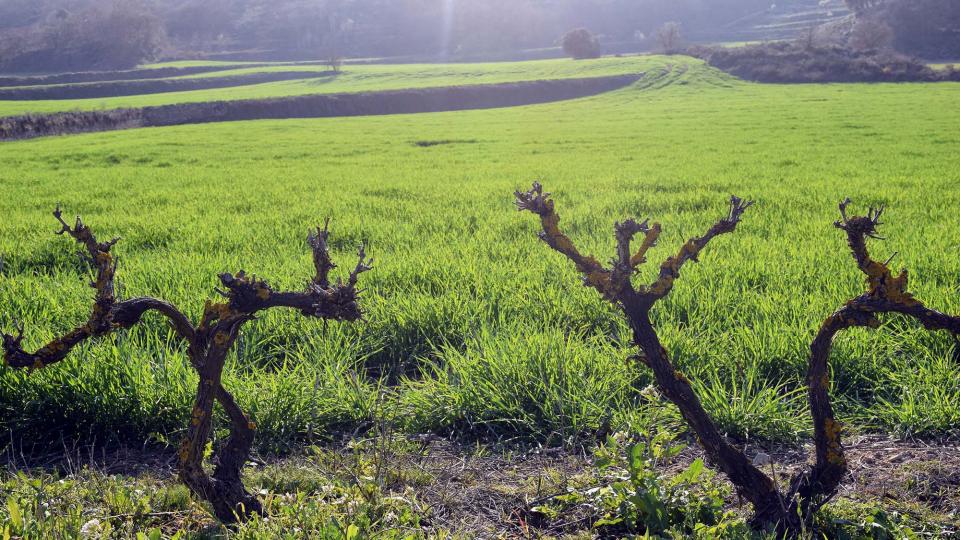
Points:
point(668, 37)
point(871, 34)
point(926, 28)
point(581, 44)
point(785, 62)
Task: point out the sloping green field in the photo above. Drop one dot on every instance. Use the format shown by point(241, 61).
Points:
point(360, 78)
point(489, 325)
point(474, 326)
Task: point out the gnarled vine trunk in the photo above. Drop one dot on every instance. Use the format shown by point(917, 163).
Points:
point(787, 512)
point(208, 344)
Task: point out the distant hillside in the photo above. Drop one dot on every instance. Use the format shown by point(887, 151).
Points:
point(781, 20)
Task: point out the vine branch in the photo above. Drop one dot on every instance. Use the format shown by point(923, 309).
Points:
point(792, 511)
point(208, 344)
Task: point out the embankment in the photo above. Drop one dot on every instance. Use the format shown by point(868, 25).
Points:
point(408, 101)
point(158, 86)
point(125, 75)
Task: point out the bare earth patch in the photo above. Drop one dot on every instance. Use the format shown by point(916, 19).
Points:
point(483, 492)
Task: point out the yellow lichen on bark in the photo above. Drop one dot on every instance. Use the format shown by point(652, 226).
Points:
point(689, 250)
point(560, 241)
point(196, 416)
point(648, 242)
point(670, 269)
point(215, 312)
point(662, 286)
point(876, 274)
point(599, 279)
point(221, 339)
point(52, 348)
point(897, 290)
point(832, 430)
point(593, 272)
point(184, 452)
point(551, 224)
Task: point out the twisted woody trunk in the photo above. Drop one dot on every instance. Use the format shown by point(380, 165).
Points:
point(787, 512)
point(208, 344)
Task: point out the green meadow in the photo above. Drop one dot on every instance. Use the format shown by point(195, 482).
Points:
point(475, 329)
point(476, 321)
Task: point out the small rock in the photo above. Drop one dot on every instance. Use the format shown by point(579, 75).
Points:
point(762, 459)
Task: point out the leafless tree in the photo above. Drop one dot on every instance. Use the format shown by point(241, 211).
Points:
point(335, 63)
point(668, 37)
point(207, 343)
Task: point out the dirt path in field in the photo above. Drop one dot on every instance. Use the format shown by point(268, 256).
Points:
point(423, 100)
point(492, 493)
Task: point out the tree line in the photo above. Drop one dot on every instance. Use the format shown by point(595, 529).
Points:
point(57, 35)
point(78, 35)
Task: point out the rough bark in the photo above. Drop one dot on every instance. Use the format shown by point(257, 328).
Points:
point(787, 512)
point(886, 294)
point(208, 344)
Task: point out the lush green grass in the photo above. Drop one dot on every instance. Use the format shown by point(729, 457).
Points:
point(491, 330)
point(325, 495)
point(362, 78)
point(474, 326)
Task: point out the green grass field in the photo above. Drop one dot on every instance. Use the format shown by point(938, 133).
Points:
point(475, 328)
point(360, 78)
